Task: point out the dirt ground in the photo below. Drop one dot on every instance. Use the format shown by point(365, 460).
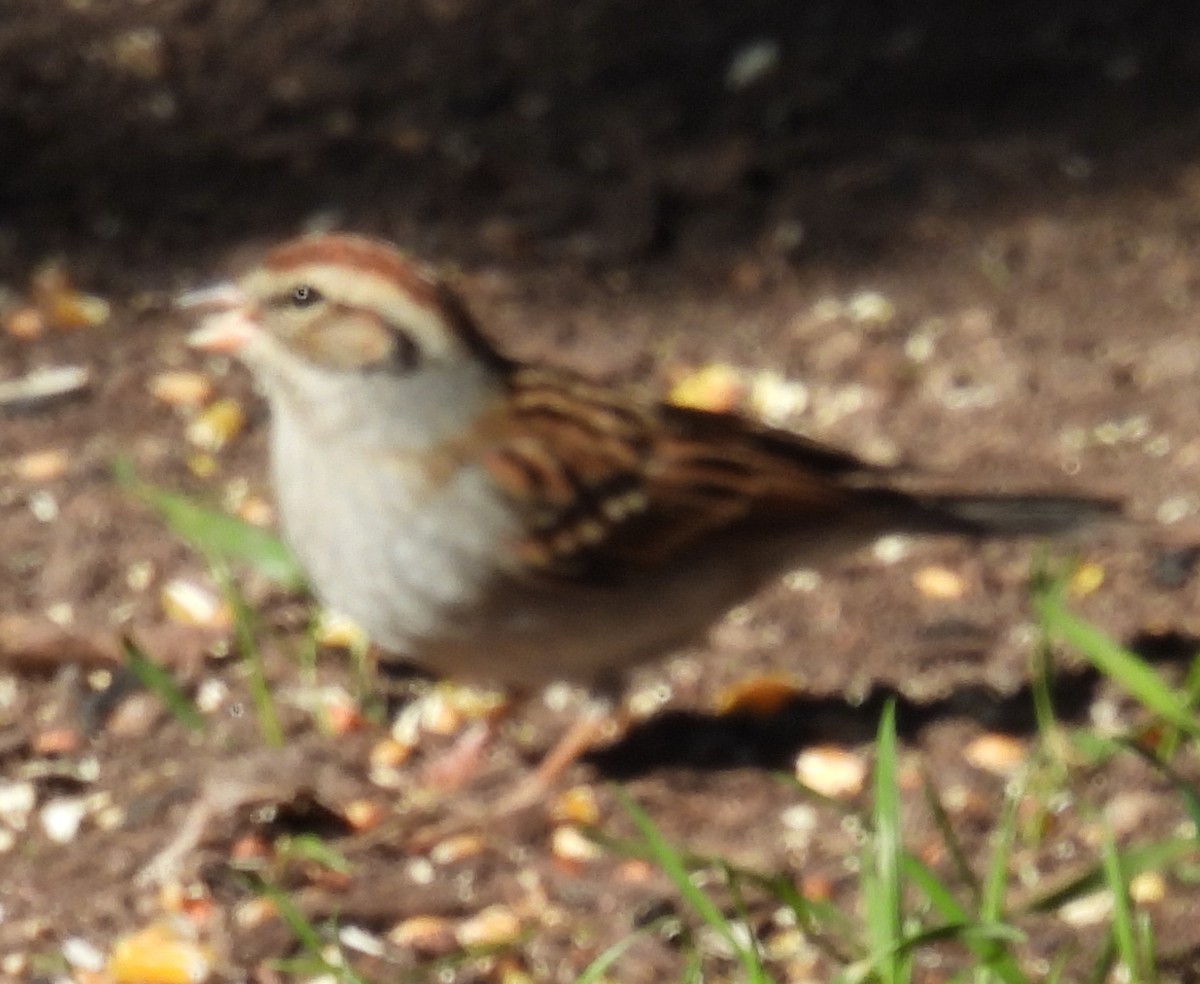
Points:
point(968, 229)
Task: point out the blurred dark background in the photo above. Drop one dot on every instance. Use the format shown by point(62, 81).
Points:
point(605, 131)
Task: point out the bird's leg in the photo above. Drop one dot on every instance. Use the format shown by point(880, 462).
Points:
point(599, 713)
point(453, 768)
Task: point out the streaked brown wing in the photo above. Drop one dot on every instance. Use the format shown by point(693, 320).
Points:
point(607, 483)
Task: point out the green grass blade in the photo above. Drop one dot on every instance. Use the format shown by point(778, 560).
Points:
point(1124, 938)
point(881, 882)
point(160, 683)
point(214, 533)
point(672, 864)
point(1155, 856)
point(247, 644)
point(1126, 669)
point(596, 970)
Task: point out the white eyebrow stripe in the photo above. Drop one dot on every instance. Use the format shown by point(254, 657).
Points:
point(369, 291)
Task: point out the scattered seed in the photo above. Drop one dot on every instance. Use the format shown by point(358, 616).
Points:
point(41, 466)
point(777, 399)
point(1147, 887)
point(24, 323)
point(496, 925)
point(253, 913)
point(752, 62)
point(211, 695)
point(181, 388)
point(998, 754)
point(939, 583)
point(339, 632)
point(81, 954)
point(762, 696)
point(717, 387)
point(256, 511)
point(43, 386)
point(61, 818)
point(634, 871)
point(389, 753)
point(576, 805)
point(429, 935)
point(1174, 509)
point(569, 843)
point(363, 814)
point(1088, 910)
point(869, 307)
point(832, 771)
point(56, 741)
point(891, 549)
point(141, 52)
point(189, 603)
point(159, 954)
point(74, 311)
point(457, 848)
point(1086, 579)
point(358, 939)
point(17, 800)
point(342, 716)
point(44, 506)
point(217, 425)
point(202, 464)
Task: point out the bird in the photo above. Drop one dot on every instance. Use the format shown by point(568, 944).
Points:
point(518, 524)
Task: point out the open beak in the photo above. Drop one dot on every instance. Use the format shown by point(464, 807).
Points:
point(228, 320)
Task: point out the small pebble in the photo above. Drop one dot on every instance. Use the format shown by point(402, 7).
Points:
point(832, 771)
point(1172, 567)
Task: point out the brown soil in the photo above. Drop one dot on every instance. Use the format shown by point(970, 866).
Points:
point(1019, 184)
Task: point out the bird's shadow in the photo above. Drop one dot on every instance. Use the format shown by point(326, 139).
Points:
point(711, 742)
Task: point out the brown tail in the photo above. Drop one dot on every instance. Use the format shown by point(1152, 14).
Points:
point(1013, 515)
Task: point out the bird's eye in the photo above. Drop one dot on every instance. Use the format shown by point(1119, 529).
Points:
point(305, 296)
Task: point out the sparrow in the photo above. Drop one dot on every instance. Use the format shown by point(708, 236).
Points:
point(519, 524)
